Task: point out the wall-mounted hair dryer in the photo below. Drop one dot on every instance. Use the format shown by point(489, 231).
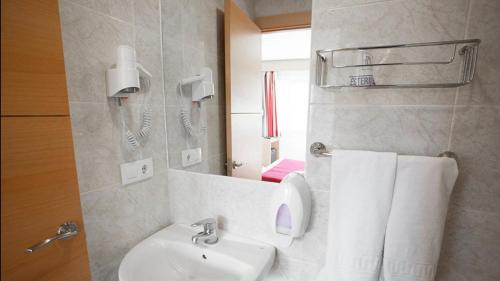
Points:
point(123, 79)
point(202, 85)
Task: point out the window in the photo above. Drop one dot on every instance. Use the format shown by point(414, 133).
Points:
point(286, 45)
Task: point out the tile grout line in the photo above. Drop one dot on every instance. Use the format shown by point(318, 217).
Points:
point(452, 124)
point(469, 209)
point(119, 186)
point(97, 12)
point(457, 91)
point(378, 2)
point(164, 91)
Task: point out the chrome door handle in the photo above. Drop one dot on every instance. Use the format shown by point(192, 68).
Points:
point(236, 165)
point(67, 230)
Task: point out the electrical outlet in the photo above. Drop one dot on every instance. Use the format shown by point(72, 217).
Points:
point(191, 157)
point(136, 171)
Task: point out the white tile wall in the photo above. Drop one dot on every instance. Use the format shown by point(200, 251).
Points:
point(243, 207)
point(407, 121)
point(277, 7)
point(116, 218)
point(419, 121)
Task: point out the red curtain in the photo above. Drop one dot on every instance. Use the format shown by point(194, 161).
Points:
point(270, 114)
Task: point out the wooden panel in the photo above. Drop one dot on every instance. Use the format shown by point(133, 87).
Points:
point(39, 192)
point(33, 77)
point(243, 75)
point(243, 66)
point(247, 144)
point(284, 22)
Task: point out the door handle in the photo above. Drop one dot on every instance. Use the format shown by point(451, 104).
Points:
point(236, 165)
point(67, 230)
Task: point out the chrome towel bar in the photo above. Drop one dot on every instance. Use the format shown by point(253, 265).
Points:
point(318, 149)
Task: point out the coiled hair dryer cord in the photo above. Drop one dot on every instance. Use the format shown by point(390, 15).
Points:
point(186, 120)
point(134, 140)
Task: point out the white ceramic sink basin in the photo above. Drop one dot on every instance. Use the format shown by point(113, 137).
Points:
point(169, 255)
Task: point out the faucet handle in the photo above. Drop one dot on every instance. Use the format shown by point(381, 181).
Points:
point(208, 224)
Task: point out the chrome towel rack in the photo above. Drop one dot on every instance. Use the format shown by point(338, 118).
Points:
point(468, 52)
point(318, 149)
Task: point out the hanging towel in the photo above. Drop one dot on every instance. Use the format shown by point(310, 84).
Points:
point(360, 201)
point(416, 223)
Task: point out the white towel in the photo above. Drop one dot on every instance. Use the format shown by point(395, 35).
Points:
point(360, 201)
point(416, 223)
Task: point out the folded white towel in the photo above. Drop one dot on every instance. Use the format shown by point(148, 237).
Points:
point(360, 200)
point(418, 213)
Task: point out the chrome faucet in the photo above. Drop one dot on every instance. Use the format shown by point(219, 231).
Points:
point(209, 233)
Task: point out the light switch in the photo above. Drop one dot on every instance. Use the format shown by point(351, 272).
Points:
point(130, 171)
point(136, 171)
point(191, 157)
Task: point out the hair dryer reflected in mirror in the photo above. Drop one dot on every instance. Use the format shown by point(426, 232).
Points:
point(202, 89)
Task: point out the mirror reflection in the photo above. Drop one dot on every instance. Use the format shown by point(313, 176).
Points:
point(238, 105)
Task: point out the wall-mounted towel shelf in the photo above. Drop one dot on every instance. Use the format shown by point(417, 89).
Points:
point(416, 60)
point(318, 149)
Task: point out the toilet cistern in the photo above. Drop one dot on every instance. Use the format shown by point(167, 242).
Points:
point(209, 233)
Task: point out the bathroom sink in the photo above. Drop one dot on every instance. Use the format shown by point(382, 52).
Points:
point(169, 255)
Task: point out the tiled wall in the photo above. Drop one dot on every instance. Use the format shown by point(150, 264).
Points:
point(277, 7)
point(423, 121)
point(116, 217)
point(244, 207)
point(193, 37)
point(419, 121)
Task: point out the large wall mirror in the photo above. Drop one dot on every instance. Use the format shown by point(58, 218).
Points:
point(237, 87)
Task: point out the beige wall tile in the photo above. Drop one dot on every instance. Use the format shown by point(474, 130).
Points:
point(116, 218)
point(90, 40)
point(119, 9)
point(484, 23)
point(97, 150)
point(278, 7)
point(471, 246)
point(476, 139)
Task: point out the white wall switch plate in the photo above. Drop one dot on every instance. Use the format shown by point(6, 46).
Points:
point(191, 157)
point(136, 171)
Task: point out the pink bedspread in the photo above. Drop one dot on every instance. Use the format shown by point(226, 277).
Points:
point(278, 172)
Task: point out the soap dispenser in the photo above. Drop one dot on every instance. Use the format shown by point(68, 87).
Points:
point(291, 209)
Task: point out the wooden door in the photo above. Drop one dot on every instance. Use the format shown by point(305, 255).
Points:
point(243, 93)
point(39, 188)
point(33, 77)
point(40, 192)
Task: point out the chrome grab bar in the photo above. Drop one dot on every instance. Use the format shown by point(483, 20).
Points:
point(67, 230)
